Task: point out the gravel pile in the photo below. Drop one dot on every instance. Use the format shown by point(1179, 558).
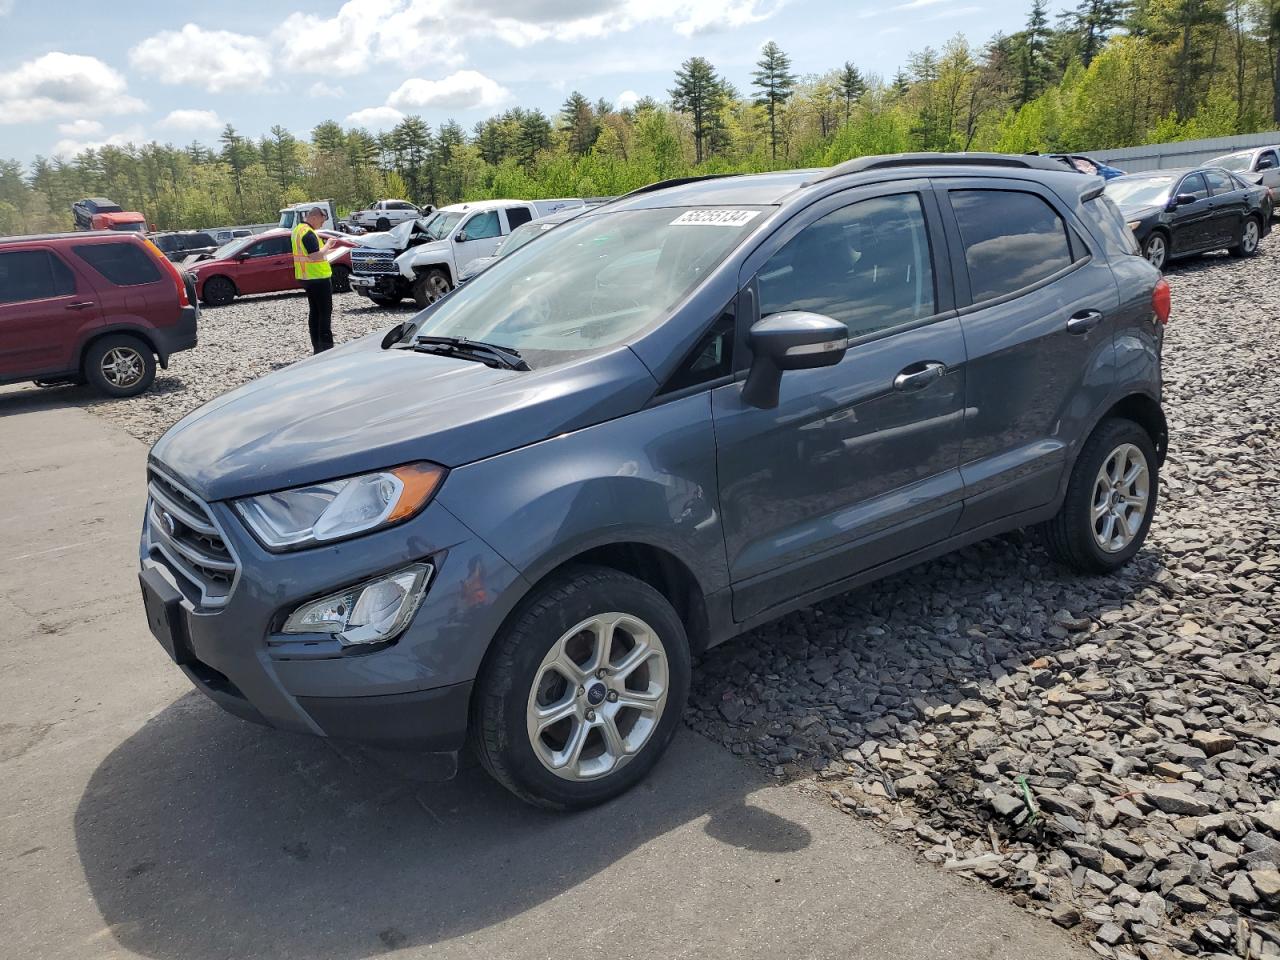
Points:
point(238, 343)
point(1106, 750)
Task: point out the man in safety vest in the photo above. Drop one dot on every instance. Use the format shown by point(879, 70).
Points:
point(316, 276)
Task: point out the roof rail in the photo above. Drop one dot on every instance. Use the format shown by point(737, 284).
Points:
point(860, 164)
point(674, 182)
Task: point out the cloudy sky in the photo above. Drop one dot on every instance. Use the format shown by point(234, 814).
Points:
point(77, 73)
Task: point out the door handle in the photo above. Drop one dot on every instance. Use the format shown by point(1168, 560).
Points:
point(1084, 321)
point(919, 375)
point(82, 305)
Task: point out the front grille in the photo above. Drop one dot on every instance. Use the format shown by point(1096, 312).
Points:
point(373, 262)
point(184, 536)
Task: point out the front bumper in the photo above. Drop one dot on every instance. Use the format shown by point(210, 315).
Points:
point(381, 285)
point(413, 693)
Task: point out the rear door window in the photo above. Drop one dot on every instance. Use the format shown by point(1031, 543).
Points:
point(1219, 183)
point(33, 275)
point(1012, 240)
point(124, 264)
point(867, 265)
point(517, 216)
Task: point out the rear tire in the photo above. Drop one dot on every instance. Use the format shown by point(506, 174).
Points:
point(382, 225)
point(341, 279)
point(1250, 237)
point(605, 655)
point(1156, 249)
point(119, 365)
point(218, 291)
point(430, 287)
point(1110, 502)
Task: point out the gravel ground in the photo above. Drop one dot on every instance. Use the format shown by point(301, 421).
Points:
point(1104, 749)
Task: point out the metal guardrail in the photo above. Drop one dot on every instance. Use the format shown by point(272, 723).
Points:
point(1181, 153)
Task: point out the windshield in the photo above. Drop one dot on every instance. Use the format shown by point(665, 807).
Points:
point(439, 226)
point(401, 231)
point(1236, 162)
point(1141, 192)
point(591, 283)
point(231, 249)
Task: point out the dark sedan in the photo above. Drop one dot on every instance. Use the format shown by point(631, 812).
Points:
point(1177, 213)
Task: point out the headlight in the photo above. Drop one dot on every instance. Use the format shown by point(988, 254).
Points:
point(371, 612)
point(322, 512)
point(1134, 224)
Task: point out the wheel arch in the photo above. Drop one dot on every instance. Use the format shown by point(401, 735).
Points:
point(140, 333)
point(420, 268)
point(1143, 410)
point(216, 276)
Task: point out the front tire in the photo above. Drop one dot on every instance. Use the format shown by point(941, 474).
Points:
point(382, 225)
point(218, 291)
point(1156, 249)
point(1110, 501)
point(119, 365)
point(1250, 237)
point(341, 279)
point(384, 302)
point(583, 689)
point(429, 287)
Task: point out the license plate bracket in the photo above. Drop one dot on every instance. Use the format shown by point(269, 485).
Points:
point(165, 616)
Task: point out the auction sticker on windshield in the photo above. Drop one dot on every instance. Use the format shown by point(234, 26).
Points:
point(715, 218)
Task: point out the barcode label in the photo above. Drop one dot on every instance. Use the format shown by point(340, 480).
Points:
point(715, 218)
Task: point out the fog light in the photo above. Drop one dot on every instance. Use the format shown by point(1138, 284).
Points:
point(371, 612)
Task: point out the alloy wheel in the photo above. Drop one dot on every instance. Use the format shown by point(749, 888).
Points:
point(1249, 241)
point(598, 696)
point(1121, 494)
point(1157, 251)
point(122, 367)
point(437, 286)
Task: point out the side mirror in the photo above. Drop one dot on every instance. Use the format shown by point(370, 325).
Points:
point(1183, 199)
point(461, 237)
point(242, 256)
point(794, 340)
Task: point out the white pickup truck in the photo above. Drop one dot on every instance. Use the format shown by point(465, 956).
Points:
point(294, 214)
point(422, 258)
point(386, 214)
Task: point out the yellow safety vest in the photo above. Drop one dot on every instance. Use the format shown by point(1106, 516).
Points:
point(304, 269)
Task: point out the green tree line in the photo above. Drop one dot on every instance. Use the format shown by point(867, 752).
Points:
point(1106, 74)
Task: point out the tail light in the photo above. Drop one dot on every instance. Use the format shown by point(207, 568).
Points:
point(174, 273)
point(1161, 300)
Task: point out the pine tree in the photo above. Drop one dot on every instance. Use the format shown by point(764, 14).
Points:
point(851, 87)
point(700, 93)
point(1034, 66)
point(1092, 22)
point(578, 121)
point(327, 136)
point(775, 82)
point(533, 135)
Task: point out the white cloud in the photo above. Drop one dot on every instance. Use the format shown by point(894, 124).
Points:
point(215, 60)
point(70, 146)
point(375, 118)
point(463, 90)
point(191, 120)
point(80, 128)
point(917, 4)
point(322, 89)
point(365, 32)
point(626, 99)
point(6, 7)
point(63, 85)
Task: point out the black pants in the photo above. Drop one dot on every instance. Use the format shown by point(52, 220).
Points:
point(320, 313)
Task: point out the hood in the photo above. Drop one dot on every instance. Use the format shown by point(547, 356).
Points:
point(1139, 211)
point(359, 408)
point(432, 250)
point(378, 241)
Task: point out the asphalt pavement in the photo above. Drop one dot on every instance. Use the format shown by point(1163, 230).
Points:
point(136, 819)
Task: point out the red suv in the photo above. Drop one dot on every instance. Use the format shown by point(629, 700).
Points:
point(262, 263)
point(97, 307)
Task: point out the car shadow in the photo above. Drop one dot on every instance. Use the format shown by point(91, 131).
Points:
point(205, 837)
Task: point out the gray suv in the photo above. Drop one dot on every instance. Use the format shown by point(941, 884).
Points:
point(513, 521)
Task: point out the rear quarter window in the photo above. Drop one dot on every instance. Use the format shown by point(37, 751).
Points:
point(1109, 225)
point(123, 264)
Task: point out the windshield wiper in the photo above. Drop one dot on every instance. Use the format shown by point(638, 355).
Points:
point(465, 349)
